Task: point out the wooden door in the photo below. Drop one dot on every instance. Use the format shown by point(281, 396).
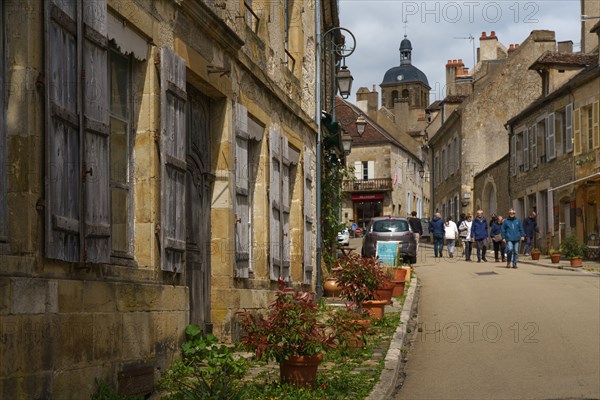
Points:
point(199, 183)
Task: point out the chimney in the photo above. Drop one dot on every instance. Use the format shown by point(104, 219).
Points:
point(565, 46)
point(511, 48)
point(451, 72)
point(488, 46)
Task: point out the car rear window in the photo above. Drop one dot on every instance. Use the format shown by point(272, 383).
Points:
point(390, 225)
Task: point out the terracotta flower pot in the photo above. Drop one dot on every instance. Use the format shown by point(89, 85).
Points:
point(555, 258)
point(385, 293)
point(535, 255)
point(399, 274)
point(300, 371)
point(375, 308)
point(576, 262)
point(331, 287)
point(398, 288)
point(408, 273)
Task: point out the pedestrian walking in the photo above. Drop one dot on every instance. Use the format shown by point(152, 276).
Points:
point(417, 228)
point(450, 234)
point(479, 233)
point(436, 228)
point(512, 234)
point(464, 231)
point(496, 236)
point(530, 228)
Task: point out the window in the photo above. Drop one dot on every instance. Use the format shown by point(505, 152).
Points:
point(308, 217)
point(248, 134)
point(394, 97)
point(120, 155)
point(457, 155)
point(559, 132)
point(408, 203)
point(596, 123)
point(577, 145)
point(3, 140)
point(534, 132)
point(405, 93)
point(451, 157)
point(437, 169)
point(444, 164)
point(77, 204)
point(390, 225)
point(526, 149)
point(590, 129)
point(252, 19)
point(513, 155)
point(365, 168)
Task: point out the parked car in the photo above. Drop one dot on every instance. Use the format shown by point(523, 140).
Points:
point(390, 229)
point(344, 237)
point(425, 227)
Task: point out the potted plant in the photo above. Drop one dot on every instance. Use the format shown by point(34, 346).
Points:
point(535, 253)
point(554, 255)
point(330, 286)
point(573, 250)
point(350, 325)
point(358, 279)
point(290, 333)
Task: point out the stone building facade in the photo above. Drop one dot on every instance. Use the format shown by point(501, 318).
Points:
point(389, 177)
point(502, 86)
point(554, 150)
point(489, 188)
point(157, 162)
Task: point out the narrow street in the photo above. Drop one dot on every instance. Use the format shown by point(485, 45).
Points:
point(487, 332)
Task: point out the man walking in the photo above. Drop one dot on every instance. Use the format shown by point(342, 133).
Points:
point(479, 233)
point(530, 227)
point(512, 234)
point(436, 228)
point(417, 228)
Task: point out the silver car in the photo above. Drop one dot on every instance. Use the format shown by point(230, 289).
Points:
point(344, 237)
point(390, 229)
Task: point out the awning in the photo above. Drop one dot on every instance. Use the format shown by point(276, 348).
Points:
point(596, 175)
point(367, 197)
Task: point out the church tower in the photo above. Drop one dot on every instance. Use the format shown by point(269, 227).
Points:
point(405, 90)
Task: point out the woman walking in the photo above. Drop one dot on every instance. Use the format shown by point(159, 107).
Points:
point(465, 234)
point(496, 235)
point(450, 234)
point(512, 234)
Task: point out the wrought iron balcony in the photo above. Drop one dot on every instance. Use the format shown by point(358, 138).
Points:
point(367, 185)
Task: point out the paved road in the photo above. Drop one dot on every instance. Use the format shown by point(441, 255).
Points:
point(493, 333)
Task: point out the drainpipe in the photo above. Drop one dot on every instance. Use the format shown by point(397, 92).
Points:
point(319, 284)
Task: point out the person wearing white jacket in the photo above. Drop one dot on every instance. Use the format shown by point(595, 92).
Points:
point(450, 234)
point(465, 234)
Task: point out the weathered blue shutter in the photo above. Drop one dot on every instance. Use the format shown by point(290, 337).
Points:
point(534, 146)
point(275, 258)
point(173, 98)
point(286, 206)
point(242, 247)
point(96, 183)
point(526, 149)
point(63, 169)
point(308, 218)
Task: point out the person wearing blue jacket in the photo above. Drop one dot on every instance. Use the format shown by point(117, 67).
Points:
point(436, 228)
point(479, 233)
point(512, 234)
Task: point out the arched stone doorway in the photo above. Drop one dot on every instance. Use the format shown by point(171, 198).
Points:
point(489, 198)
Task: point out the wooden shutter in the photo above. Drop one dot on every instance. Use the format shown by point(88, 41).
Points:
point(3, 140)
point(526, 149)
point(308, 218)
point(63, 169)
point(242, 247)
point(96, 182)
point(569, 127)
point(550, 137)
point(275, 257)
point(534, 146)
point(596, 124)
point(358, 172)
point(371, 169)
point(513, 154)
point(173, 98)
point(577, 131)
point(286, 205)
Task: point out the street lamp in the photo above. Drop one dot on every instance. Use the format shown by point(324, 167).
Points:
point(346, 143)
point(361, 124)
point(344, 82)
point(422, 172)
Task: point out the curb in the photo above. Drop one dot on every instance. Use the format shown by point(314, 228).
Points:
point(386, 386)
point(558, 266)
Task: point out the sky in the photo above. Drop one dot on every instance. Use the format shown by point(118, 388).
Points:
point(439, 31)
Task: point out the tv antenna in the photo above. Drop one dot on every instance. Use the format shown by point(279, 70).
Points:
point(472, 40)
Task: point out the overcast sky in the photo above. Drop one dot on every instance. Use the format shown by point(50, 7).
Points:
point(432, 27)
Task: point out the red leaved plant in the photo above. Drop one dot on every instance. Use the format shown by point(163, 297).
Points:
point(359, 277)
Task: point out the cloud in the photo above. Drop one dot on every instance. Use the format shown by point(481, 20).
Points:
point(439, 30)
